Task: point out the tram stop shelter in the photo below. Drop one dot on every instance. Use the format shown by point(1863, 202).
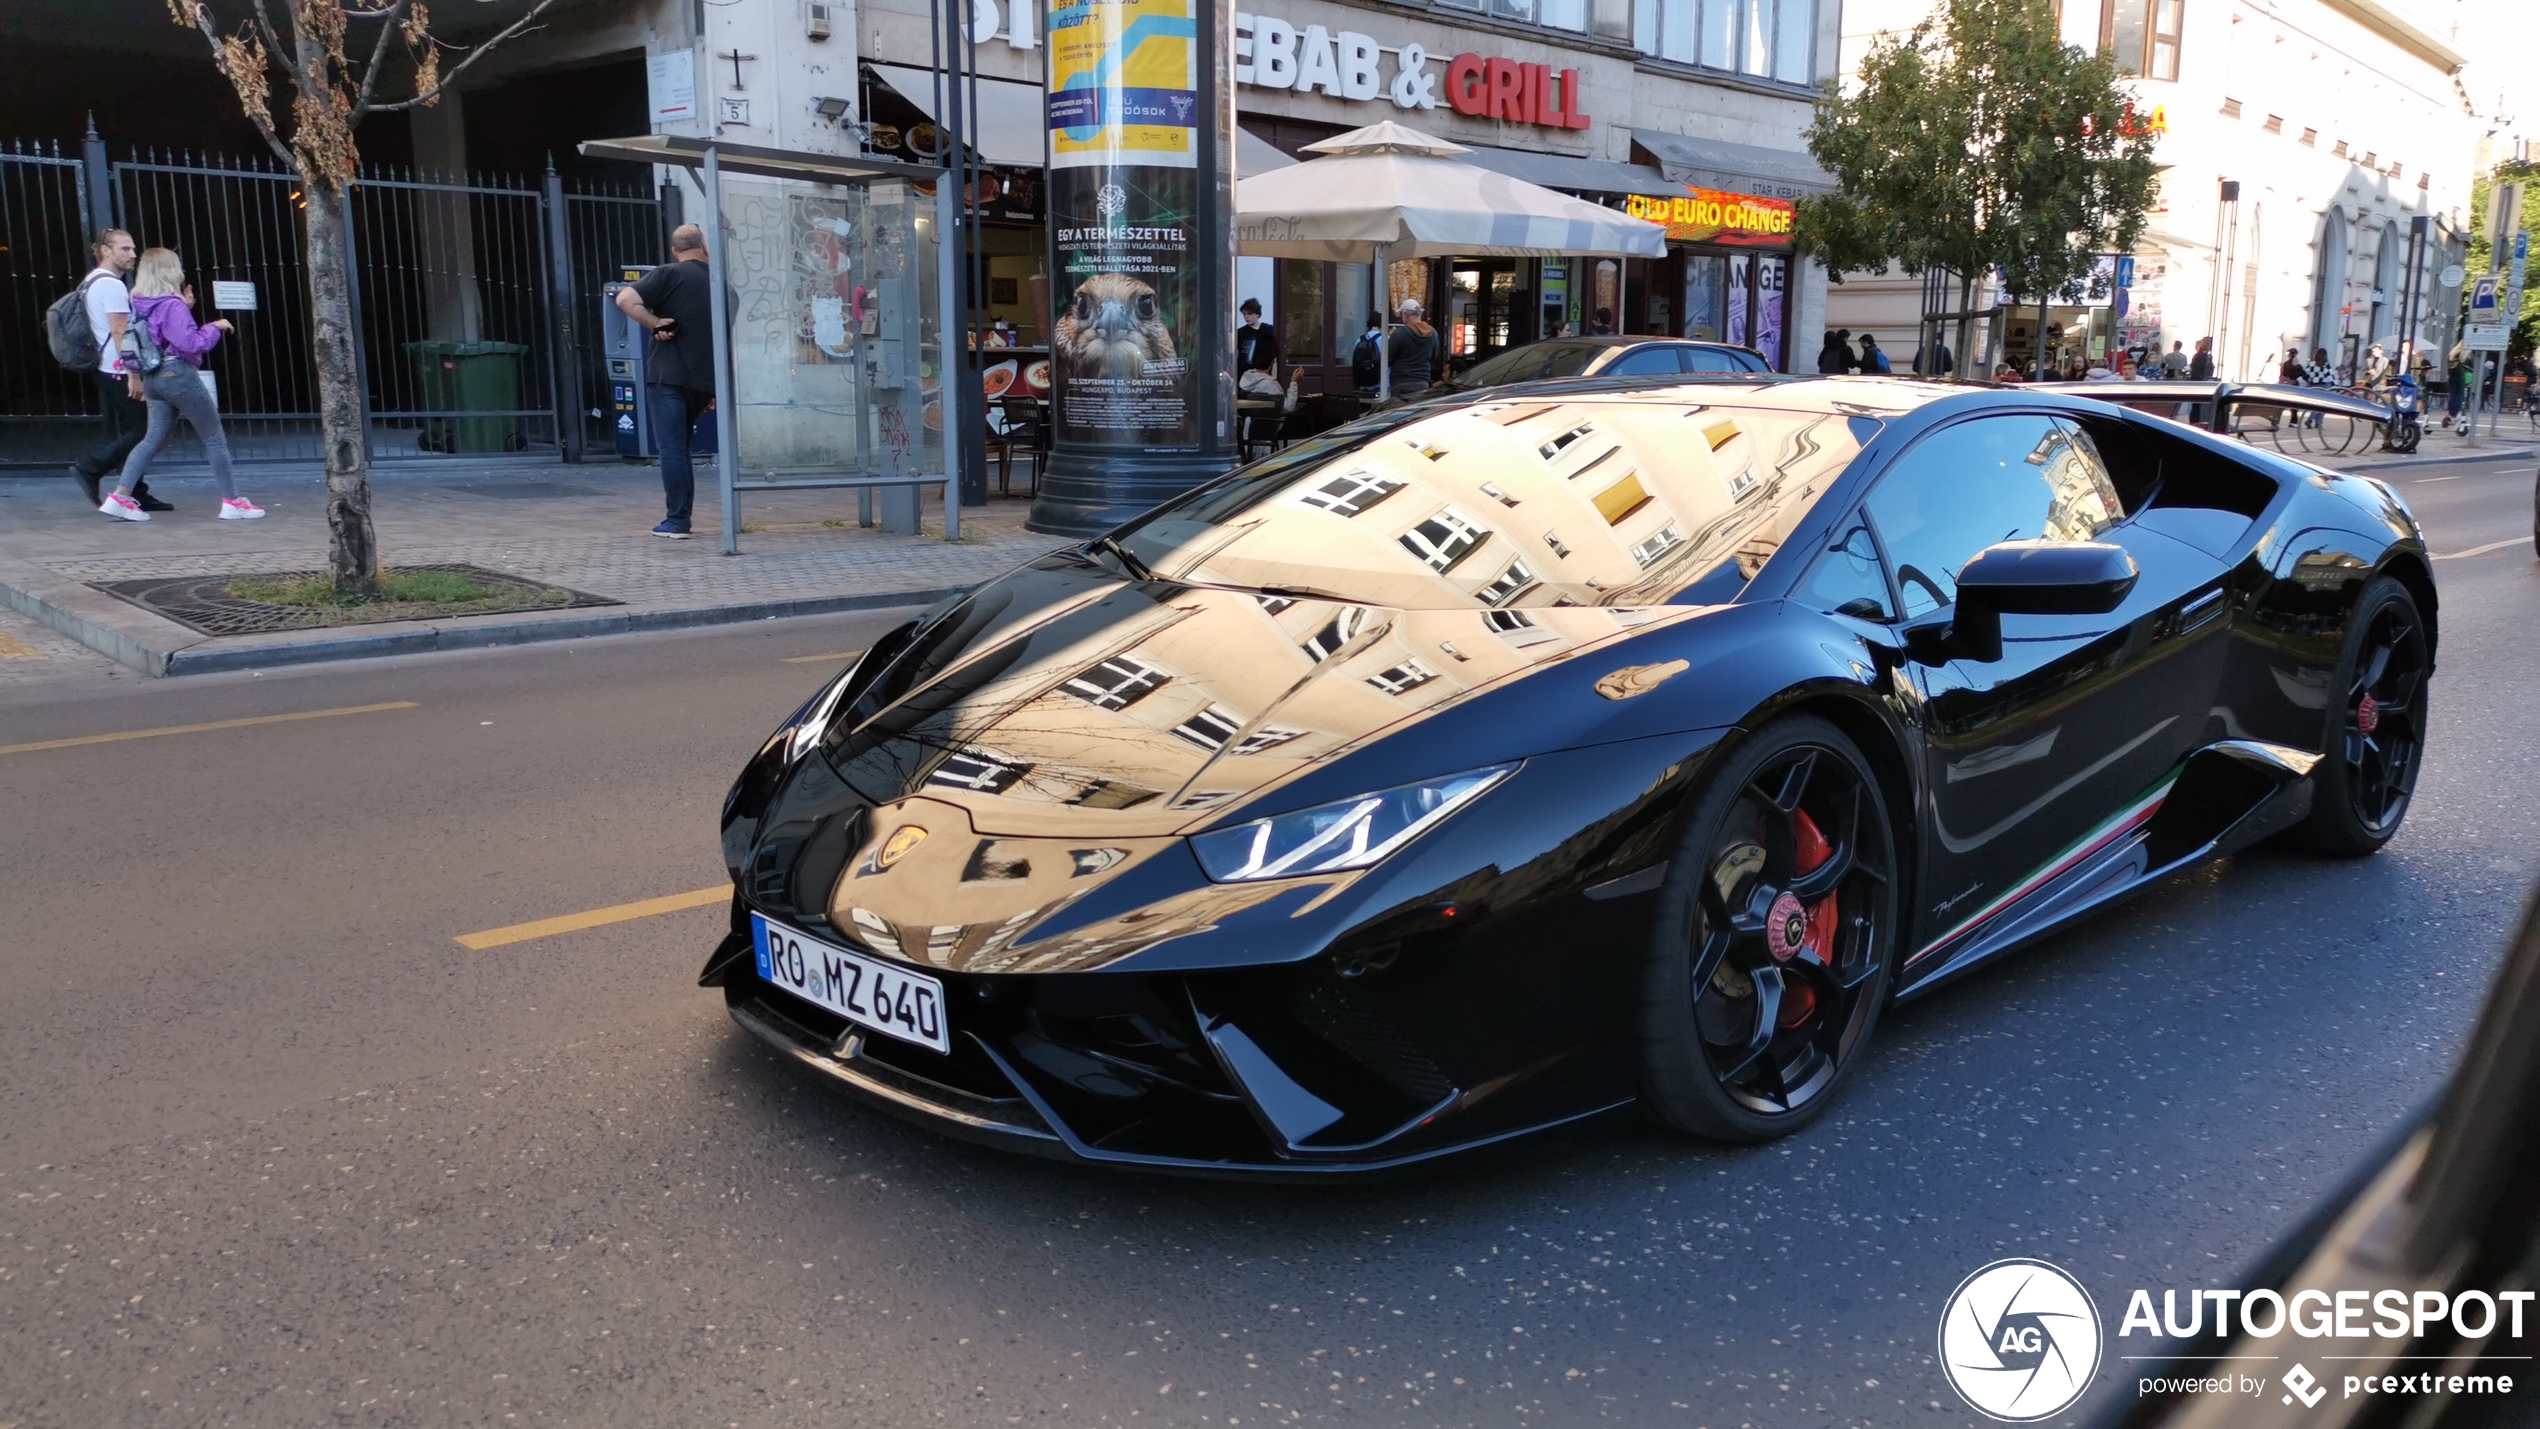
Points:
point(831, 295)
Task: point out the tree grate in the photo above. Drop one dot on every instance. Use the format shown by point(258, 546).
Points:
point(203, 604)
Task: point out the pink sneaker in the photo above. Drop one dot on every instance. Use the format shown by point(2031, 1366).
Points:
point(239, 508)
point(122, 507)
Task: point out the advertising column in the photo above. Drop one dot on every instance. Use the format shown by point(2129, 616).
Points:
point(1141, 215)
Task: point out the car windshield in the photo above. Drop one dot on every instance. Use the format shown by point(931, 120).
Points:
point(1524, 364)
point(1610, 500)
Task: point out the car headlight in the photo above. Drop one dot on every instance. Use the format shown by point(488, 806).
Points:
point(812, 720)
point(1349, 833)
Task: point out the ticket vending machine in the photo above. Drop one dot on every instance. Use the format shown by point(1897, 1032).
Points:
point(623, 345)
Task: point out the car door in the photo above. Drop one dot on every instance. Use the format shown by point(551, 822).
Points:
point(2028, 757)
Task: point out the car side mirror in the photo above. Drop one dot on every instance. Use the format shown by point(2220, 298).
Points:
point(2023, 578)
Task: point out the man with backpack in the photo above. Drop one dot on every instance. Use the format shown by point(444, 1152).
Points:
point(89, 329)
point(1366, 361)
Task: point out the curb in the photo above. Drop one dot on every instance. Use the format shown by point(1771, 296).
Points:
point(26, 590)
point(2499, 454)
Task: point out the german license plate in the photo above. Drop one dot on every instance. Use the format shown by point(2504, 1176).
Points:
point(868, 992)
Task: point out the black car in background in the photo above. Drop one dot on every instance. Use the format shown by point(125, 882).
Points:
point(1493, 763)
point(1602, 357)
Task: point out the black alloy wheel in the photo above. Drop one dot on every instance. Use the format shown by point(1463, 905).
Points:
point(1775, 940)
point(2375, 738)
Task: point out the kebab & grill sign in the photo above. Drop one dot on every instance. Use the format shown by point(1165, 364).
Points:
point(1716, 216)
point(1271, 53)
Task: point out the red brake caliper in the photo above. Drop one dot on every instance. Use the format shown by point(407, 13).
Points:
point(1799, 999)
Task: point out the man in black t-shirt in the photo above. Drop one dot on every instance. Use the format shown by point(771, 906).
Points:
point(675, 301)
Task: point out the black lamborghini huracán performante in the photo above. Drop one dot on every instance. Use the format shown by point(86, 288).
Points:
point(1486, 765)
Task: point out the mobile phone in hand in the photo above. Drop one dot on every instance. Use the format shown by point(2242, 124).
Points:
point(666, 329)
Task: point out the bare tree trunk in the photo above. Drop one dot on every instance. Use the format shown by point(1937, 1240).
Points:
point(353, 560)
point(1966, 330)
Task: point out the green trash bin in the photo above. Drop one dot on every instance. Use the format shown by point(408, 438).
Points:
point(468, 377)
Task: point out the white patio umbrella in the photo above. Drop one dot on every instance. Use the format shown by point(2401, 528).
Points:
point(1389, 192)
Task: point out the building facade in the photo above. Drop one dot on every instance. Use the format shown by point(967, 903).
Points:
point(1654, 105)
point(2300, 144)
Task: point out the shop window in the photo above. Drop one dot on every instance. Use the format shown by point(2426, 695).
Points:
point(1301, 312)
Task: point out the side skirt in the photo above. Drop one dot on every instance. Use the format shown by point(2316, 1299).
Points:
point(2222, 797)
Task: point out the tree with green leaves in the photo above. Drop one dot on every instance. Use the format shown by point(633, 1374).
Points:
point(1980, 141)
point(332, 57)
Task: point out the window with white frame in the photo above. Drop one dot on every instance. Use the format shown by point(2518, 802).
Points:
point(1667, 539)
point(1351, 492)
point(1513, 582)
point(1116, 683)
point(1211, 727)
point(979, 772)
point(1444, 539)
point(1407, 676)
point(1555, 14)
point(1767, 39)
point(1337, 632)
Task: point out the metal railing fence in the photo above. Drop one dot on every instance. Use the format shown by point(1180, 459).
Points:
point(475, 299)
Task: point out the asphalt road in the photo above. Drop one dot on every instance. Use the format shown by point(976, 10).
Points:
point(276, 1150)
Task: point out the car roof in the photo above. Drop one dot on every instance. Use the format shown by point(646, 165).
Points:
point(1864, 396)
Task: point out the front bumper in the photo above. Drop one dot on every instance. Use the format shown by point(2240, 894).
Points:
point(1312, 1076)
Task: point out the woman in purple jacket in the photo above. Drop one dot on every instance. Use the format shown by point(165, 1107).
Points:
point(160, 300)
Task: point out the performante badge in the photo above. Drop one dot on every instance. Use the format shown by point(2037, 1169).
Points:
point(1632, 680)
point(896, 847)
point(2019, 1340)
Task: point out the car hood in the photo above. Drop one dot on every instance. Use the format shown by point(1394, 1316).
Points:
point(1065, 702)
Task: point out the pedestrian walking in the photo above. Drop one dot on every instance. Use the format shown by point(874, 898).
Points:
point(109, 305)
point(1872, 360)
point(163, 309)
point(2455, 384)
point(2289, 371)
point(2175, 363)
point(1602, 323)
point(1411, 350)
point(1944, 363)
point(675, 302)
point(2200, 368)
point(1836, 356)
point(2319, 373)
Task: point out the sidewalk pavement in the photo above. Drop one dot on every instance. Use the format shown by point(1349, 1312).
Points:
point(587, 527)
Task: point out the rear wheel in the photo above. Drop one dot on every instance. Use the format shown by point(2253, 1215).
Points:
point(2376, 726)
point(1775, 939)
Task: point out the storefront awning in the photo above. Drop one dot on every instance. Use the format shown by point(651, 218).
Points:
point(1559, 171)
point(1007, 129)
point(1739, 168)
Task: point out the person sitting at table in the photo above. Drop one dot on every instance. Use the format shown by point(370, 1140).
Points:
point(1256, 344)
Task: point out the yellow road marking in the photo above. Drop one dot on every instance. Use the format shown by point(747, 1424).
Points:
point(2480, 550)
point(122, 735)
point(596, 918)
point(815, 659)
point(12, 648)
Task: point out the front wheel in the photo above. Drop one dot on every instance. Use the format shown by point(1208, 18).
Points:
point(2376, 725)
point(1775, 939)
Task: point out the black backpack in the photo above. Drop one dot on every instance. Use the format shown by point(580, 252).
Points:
point(66, 328)
point(1366, 361)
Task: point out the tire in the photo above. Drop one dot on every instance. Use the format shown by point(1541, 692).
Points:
point(1742, 900)
point(2374, 740)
